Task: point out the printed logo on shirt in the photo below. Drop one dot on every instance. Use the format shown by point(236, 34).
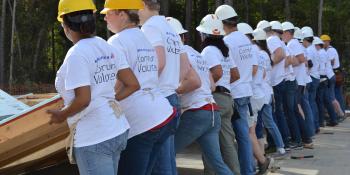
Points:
point(105, 69)
point(245, 52)
point(201, 64)
point(146, 61)
point(226, 66)
point(173, 43)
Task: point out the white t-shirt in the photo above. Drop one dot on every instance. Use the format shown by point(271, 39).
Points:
point(307, 78)
point(329, 67)
point(202, 95)
point(93, 62)
point(147, 107)
point(295, 49)
point(312, 54)
point(159, 33)
point(214, 57)
point(278, 70)
point(289, 72)
point(333, 54)
point(258, 79)
point(324, 60)
point(241, 51)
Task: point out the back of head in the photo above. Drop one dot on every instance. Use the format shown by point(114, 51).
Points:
point(153, 5)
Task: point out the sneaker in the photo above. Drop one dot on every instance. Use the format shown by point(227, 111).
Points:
point(265, 166)
point(296, 146)
point(279, 156)
point(332, 124)
point(309, 145)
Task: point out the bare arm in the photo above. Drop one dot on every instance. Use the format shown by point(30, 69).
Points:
point(189, 79)
point(216, 72)
point(129, 84)
point(160, 50)
point(212, 82)
point(278, 56)
point(234, 75)
point(255, 69)
point(80, 102)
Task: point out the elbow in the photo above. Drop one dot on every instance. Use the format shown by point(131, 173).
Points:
point(217, 76)
point(135, 87)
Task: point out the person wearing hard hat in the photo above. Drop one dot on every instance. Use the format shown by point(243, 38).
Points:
point(339, 77)
point(258, 98)
point(222, 69)
point(241, 51)
point(303, 120)
point(174, 68)
point(149, 113)
point(265, 115)
point(324, 97)
point(313, 69)
point(278, 76)
point(86, 81)
point(200, 120)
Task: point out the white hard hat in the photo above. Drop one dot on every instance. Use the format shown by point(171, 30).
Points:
point(317, 40)
point(307, 32)
point(263, 24)
point(210, 24)
point(225, 12)
point(176, 25)
point(276, 25)
point(259, 34)
point(287, 26)
point(296, 28)
point(298, 34)
point(245, 28)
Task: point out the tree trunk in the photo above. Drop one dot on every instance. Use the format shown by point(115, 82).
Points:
point(2, 43)
point(12, 44)
point(164, 7)
point(53, 51)
point(36, 54)
point(203, 9)
point(246, 4)
point(217, 3)
point(188, 21)
point(287, 9)
point(320, 13)
point(229, 2)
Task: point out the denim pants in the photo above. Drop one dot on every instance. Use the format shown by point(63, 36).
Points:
point(306, 124)
point(289, 107)
point(226, 136)
point(142, 151)
point(312, 90)
point(241, 128)
point(166, 162)
point(202, 126)
point(101, 158)
point(281, 121)
point(265, 119)
point(324, 100)
point(338, 91)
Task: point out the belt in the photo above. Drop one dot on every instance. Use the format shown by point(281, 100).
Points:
point(222, 89)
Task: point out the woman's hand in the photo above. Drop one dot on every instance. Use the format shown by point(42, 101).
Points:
point(57, 116)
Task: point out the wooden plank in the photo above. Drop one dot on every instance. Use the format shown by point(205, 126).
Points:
point(29, 131)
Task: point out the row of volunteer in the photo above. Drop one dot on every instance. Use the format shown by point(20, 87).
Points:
point(136, 100)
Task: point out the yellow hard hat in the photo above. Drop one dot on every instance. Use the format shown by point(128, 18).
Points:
point(122, 4)
point(69, 6)
point(325, 38)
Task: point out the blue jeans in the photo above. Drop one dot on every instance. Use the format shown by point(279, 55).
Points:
point(241, 128)
point(265, 118)
point(143, 150)
point(338, 90)
point(312, 89)
point(289, 107)
point(306, 124)
point(323, 99)
point(102, 158)
point(204, 127)
point(281, 121)
point(166, 162)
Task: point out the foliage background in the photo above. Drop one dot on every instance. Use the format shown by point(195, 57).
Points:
point(40, 44)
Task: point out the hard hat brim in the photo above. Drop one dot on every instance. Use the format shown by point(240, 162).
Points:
point(183, 31)
point(104, 11)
